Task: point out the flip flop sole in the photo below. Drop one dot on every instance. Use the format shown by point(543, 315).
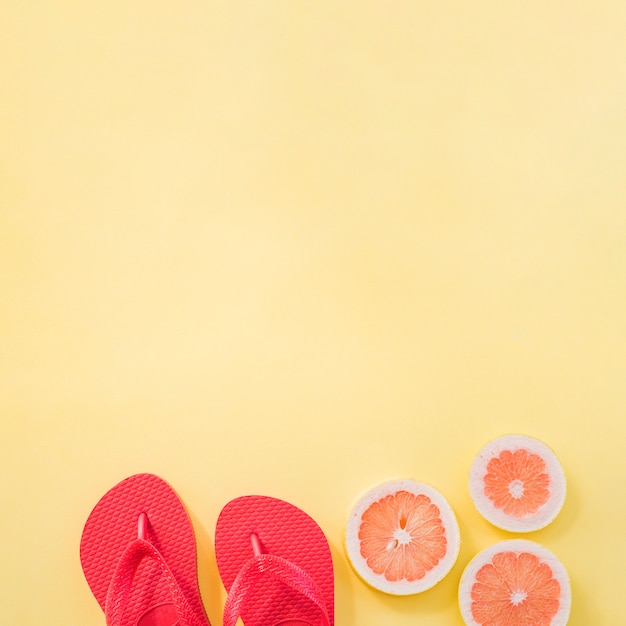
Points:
point(285, 531)
point(113, 525)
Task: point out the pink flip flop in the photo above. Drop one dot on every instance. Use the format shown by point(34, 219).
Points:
point(138, 553)
point(275, 563)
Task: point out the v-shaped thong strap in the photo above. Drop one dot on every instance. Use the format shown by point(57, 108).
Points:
point(119, 592)
point(280, 569)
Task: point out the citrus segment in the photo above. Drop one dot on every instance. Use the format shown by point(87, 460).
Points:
point(517, 483)
point(402, 537)
point(515, 583)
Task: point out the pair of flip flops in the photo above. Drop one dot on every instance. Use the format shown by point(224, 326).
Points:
point(138, 553)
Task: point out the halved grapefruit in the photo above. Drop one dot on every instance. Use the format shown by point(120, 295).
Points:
point(402, 537)
point(515, 583)
point(517, 483)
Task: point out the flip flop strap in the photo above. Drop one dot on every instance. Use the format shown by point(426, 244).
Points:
point(278, 568)
point(119, 590)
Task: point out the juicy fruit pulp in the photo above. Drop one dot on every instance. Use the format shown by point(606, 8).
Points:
point(515, 588)
point(515, 583)
point(517, 483)
point(402, 537)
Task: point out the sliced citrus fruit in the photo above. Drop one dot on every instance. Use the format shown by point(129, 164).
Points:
point(517, 483)
point(515, 583)
point(402, 537)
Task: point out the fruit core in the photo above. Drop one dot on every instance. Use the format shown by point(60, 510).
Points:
point(517, 597)
point(516, 488)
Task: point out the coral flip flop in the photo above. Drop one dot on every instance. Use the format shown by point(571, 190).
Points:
point(275, 563)
point(138, 553)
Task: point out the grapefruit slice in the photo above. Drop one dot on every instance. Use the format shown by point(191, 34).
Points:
point(517, 483)
point(515, 583)
point(402, 537)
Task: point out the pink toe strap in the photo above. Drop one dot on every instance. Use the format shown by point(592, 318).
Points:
point(119, 591)
point(280, 569)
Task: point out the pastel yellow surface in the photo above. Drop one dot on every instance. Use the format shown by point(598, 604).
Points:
point(301, 248)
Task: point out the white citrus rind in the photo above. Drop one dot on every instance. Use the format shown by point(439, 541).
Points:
point(518, 546)
point(402, 587)
point(498, 517)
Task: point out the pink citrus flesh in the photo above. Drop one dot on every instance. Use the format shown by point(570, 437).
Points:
point(402, 537)
point(517, 483)
point(515, 583)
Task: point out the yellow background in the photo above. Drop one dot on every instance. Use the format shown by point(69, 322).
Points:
point(300, 248)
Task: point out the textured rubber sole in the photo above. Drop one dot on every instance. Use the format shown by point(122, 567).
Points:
point(112, 526)
point(285, 531)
